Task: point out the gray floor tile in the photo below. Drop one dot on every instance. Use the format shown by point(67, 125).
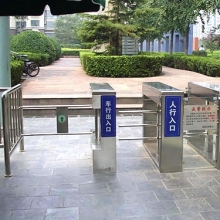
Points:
point(5, 215)
point(191, 216)
point(216, 189)
point(207, 173)
point(93, 188)
point(150, 185)
point(10, 203)
point(177, 183)
point(162, 208)
point(70, 189)
point(96, 213)
point(202, 192)
point(51, 180)
point(79, 200)
point(47, 202)
point(183, 175)
point(64, 213)
point(172, 194)
point(193, 205)
point(212, 215)
point(214, 202)
point(142, 197)
point(34, 191)
point(202, 181)
point(157, 175)
point(122, 186)
point(34, 214)
point(126, 211)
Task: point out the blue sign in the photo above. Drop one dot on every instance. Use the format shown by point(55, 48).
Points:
point(172, 127)
point(108, 116)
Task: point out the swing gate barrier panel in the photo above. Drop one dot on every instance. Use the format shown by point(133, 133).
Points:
point(201, 120)
point(13, 132)
point(162, 125)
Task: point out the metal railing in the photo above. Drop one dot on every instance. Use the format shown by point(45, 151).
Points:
point(138, 125)
point(12, 116)
point(13, 131)
point(2, 89)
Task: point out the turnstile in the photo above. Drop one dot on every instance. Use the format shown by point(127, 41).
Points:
point(203, 104)
point(163, 125)
point(104, 138)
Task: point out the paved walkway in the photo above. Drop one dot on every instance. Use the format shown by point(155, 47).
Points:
point(66, 77)
point(53, 178)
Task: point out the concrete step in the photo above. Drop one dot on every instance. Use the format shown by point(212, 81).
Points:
point(36, 105)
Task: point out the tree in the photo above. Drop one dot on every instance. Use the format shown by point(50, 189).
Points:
point(66, 27)
point(211, 42)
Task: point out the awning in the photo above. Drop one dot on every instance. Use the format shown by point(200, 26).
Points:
point(57, 7)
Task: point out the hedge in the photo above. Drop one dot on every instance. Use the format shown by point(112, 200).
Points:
point(72, 52)
point(203, 65)
point(38, 58)
point(16, 72)
point(123, 66)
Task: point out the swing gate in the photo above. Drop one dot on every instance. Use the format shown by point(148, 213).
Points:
point(103, 139)
point(168, 118)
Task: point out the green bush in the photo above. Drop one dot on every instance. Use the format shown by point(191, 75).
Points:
point(201, 53)
point(38, 58)
point(16, 72)
point(72, 46)
point(72, 52)
point(57, 47)
point(123, 66)
point(204, 65)
point(35, 42)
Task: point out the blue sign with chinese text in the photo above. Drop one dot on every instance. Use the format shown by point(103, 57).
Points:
point(172, 120)
point(108, 116)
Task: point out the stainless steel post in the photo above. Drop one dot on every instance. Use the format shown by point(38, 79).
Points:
point(104, 145)
point(6, 136)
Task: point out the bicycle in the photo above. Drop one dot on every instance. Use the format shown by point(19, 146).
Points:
point(30, 68)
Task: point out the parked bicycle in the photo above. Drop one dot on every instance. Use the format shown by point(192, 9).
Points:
point(30, 68)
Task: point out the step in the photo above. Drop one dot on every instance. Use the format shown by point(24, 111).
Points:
point(124, 102)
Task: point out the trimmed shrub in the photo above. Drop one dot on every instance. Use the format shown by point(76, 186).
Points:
point(203, 65)
point(201, 53)
point(72, 46)
point(72, 52)
point(16, 72)
point(35, 42)
point(57, 47)
point(38, 58)
point(123, 66)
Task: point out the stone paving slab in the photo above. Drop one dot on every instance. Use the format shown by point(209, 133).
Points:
point(53, 179)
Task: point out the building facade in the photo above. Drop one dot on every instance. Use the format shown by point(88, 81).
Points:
point(44, 23)
point(212, 22)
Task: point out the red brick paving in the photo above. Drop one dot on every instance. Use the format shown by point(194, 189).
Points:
point(66, 77)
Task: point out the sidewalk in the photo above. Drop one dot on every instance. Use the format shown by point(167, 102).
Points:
point(66, 77)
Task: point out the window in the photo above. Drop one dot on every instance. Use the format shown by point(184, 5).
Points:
point(20, 24)
point(35, 23)
point(50, 24)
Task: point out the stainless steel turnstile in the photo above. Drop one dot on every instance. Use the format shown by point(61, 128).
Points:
point(103, 140)
point(163, 125)
point(204, 98)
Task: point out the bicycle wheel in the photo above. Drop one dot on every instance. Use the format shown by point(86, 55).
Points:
point(33, 69)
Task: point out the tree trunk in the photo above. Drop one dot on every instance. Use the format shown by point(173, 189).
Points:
point(148, 45)
point(187, 40)
point(171, 41)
